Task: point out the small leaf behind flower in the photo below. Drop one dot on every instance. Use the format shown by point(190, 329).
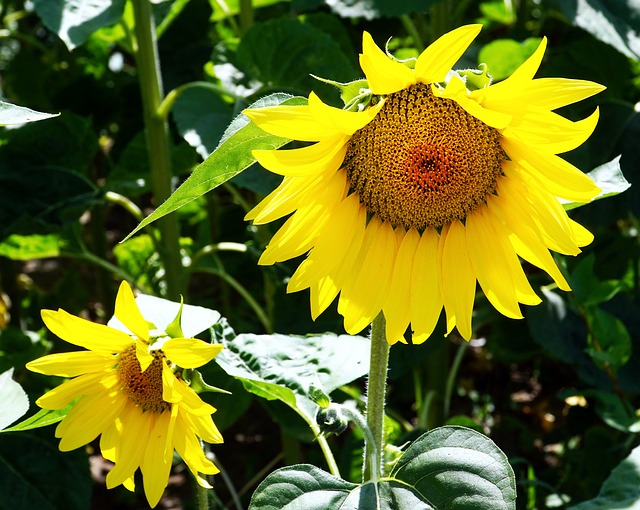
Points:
point(608, 178)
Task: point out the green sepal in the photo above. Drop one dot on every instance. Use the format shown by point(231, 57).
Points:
point(355, 95)
point(174, 328)
point(319, 397)
point(199, 385)
point(476, 78)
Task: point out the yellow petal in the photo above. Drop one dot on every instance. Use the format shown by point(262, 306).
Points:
point(190, 352)
point(286, 198)
point(457, 91)
point(294, 122)
point(363, 296)
point(84, 333)
point(143, 355)
point(170, 391)
point(188, 447)
point(550, 132)
point(156, 462)
point(191, 401)
point(325, 156)
point(556, 175)
point(344, 223)
point(300, 231)
point(490, 265)
point(136, 429)
point(437, 60)
point(59, 397)
point(426, 296)
point(384, 75)
point(458, 278)
point(204, 427)
point(341, 121)
point(525, 240)
point(128, 313)
point(88, 418)
point(397, 311)
point(71, 364)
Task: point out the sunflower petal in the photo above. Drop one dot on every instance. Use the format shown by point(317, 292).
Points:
point(437, 60)
point(156, 461)
point(384, 75)
point(458, 278)
point(71, 364)
point(84, 333)
point(60, 396)
point(128, 313)
point(426, 298)
point(190, 352)
point(293, 122)
point(341, 121)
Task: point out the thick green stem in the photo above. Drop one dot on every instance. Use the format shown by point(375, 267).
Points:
point(157, 142)
point(203, 497)
point(376, 387)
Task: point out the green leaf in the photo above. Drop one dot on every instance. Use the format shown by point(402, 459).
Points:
point(35, 246)
point(13, 114)
point(34, 475)
point(621, 491)
point(504, 56)
point(201, 118)
point(614, 23)
point(75, 20)
point(449, 468)
point(42, 418)
point(609, 340)
point(379, 8)
point(616, 412)
point(13, 399)
point(288, 367)
point(608, 178)
point(231, 157)
point(587, 288)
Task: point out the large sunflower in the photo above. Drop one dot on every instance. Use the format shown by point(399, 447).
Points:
point(403, 205)
point(129, 390)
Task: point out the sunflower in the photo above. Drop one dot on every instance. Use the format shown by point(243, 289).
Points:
point(128, 389)
point(404, 204)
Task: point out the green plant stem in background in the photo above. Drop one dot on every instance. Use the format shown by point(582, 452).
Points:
point(376, 388)
point(157, 142)
point(203, 497)
point(246, 15)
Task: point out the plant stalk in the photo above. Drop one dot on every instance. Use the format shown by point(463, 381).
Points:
point(376, 387)
point(157, 142)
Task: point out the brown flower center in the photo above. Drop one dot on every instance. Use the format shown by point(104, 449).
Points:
point(423, 161)
point(144, 389)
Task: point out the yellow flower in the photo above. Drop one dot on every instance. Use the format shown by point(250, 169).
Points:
point(403, 206)
point(128, 390)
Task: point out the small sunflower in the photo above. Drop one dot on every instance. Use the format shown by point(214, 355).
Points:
point(129, 391)
point(403, 205)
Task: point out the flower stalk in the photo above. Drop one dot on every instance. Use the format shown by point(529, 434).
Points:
point(376, 387)
point(157, 141)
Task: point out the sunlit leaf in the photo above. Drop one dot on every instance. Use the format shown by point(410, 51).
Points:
point(75, 20)
point(29, 247)
point(13, 400)
point(231, 157)
point(378, 8)
point(503, 56)
point(42, 418)
point(608, 178)
point(13, 114)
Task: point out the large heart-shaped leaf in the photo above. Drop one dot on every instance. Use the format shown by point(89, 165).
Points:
point(448, 468)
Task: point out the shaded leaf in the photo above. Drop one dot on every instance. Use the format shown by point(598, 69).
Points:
point(231, 157)
point(609, 340)
point(75, 20)
point(621, 491)
point(371, 9)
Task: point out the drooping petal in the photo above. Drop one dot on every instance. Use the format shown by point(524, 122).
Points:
point(384, 75)
point(341, 121)
point(188, 447)
point(71, 364)
point(156, 461)
point(286, 198)
point(437, 60)
point(397, 309)
point(426, 295)
point(458, 279)
point(84, 333)
point(490, 265)
point(191, 401)
point(204, 427)
point(190, 352)
point(127, 312)
point(363, 295)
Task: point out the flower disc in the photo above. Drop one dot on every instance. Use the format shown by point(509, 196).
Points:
point(144, 389)
point(423, 161)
